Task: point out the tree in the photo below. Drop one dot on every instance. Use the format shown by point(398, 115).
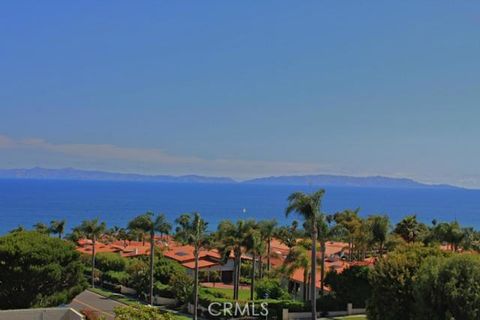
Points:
point(272, 289)
point(162, 225)
point(350, 221)
point(38, 271)
point(192, 230)
point(410, 229)
point(41, 228)
point(308, 206)
point(448, 288)
point(267, 230)
point(299, 258)
point(122, 235)
point(393, 280)
point(148, 224)
point(256, 247)
point(92, 229)
point(233, 238)
point(57, 227)
point(450, 233)
point(350, 286)
point(325, 232)
point(288, 235)
point(378, 226)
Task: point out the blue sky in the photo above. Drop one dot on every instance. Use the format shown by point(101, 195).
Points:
point(243, 88)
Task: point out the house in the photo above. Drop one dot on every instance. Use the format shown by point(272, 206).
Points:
point(209, 260)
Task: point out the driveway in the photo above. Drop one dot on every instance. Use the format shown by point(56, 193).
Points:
point(88, 300)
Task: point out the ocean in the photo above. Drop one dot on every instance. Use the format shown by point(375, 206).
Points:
point(26, 202)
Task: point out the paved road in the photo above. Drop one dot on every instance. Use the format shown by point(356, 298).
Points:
point(88, 300)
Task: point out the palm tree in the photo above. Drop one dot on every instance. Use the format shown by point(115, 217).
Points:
point(57, 227)
point(351, 222)
point(308, 206)
point(410, 229)
point(41, 228)
point(233, 238)
point(122, 235)
point(92, 229)
point(299, 258)
point(378, 226)
point(141, 225)
point(162, 225)
point(288, 235)
point(267, 230)
point(256, 247)
point(192, 230)
point(145, 224)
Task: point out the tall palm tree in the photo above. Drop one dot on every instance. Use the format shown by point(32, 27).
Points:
point(351, 222)
point(192, 230)
point(233, 238)
point(299, 258)
point(256, 247)
point(57, 227)
point(92, 229)
point(267, 230)
point(148, 224)
point(308, 207)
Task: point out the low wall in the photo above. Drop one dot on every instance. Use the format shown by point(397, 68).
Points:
point(307, 315)
point(41, 314)
point(127, 290)
point(161, 301)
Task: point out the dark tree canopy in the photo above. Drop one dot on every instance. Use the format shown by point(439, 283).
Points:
point(38, 271)
point(393, 283)
point(350, 286)
point(449, 288)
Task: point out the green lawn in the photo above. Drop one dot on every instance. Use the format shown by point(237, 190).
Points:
point(126, 300)
point(115, 296)
point(243, 294)
point(359, 317)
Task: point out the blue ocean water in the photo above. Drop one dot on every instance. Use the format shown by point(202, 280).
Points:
point(25, 202)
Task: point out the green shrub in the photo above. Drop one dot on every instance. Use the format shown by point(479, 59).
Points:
point(140, 312)
point(393, 280)
point(271, 289)
point(38, 271)
point(163, 290)
point(350, 286)
point(109, 261)
point(165, 268)
point(448, 288)
point(330, 302)
point(138, 271)
point(116, 277)
point(182, 287)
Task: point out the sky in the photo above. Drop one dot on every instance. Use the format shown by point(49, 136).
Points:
point(243, 88)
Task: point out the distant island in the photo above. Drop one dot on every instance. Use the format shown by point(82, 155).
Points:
point(345, 181)
point(76, 174)
point(303, 180)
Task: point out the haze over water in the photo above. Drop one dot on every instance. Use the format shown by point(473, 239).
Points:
point(25, 202)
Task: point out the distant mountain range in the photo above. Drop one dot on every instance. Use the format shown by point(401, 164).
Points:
point(346, 181)
point(306, 180)
point(76, 174)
